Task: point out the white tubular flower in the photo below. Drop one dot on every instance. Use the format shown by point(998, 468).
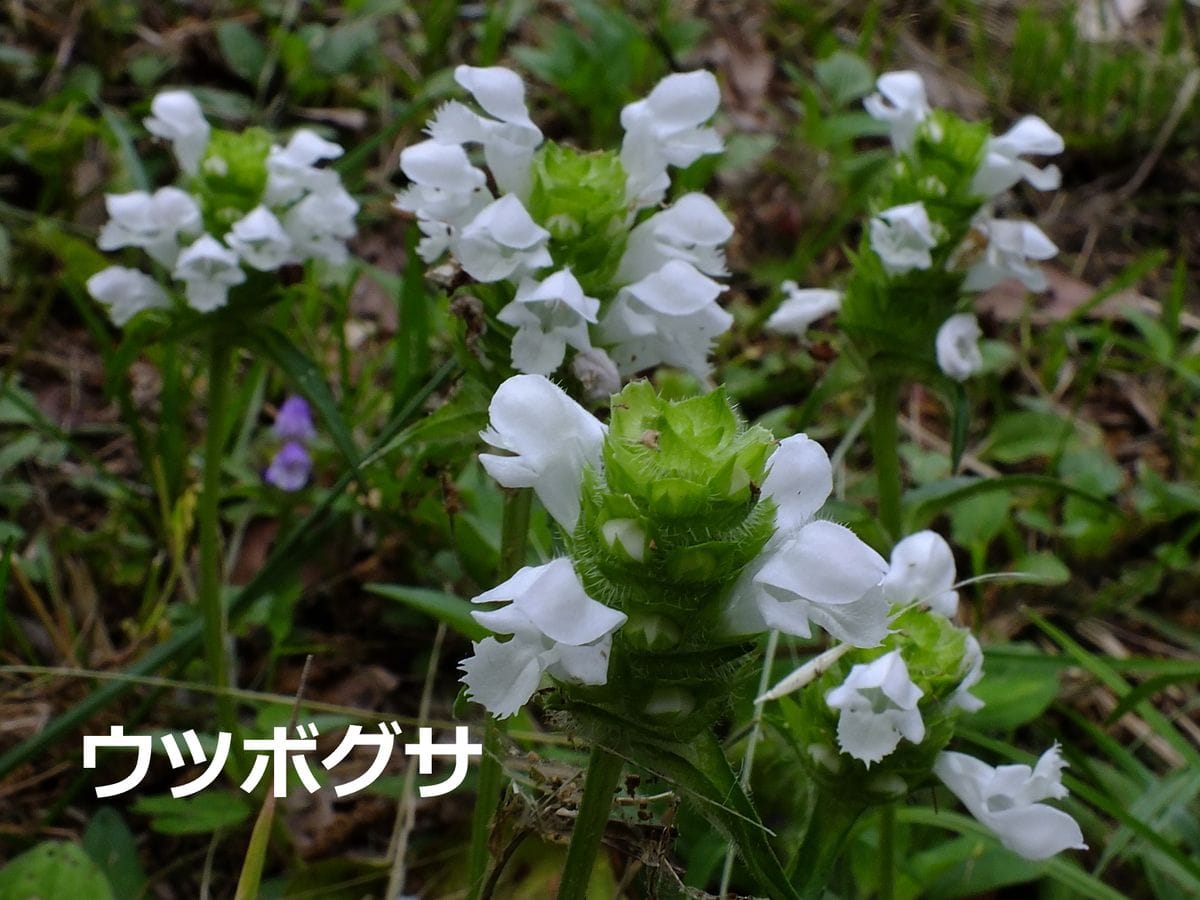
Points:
point(902, 104)
point(445, 194)
point(1011, 246)
point(902, 237)
point(811, 570)
point(508, 138)
point(292, 170)
point(878, 704)
point(556, 628)
point(1005, 800)
point(502, 242)
point(670, 316)
point(552, 438)
point(1002, 166)
point(597, 374)
point(209, 269)
point(321, 223)
point(177, 117)
point(801, 307)
point(922, 571)
point(962, 698)
point(693, 229)
point(957, 346)
point(666, 129)
point(153, 222)
point(126, 292)
point(548, 316)
point(260, 240)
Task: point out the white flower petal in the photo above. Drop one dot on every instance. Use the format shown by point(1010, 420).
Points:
point(824, 563)
point(922, 570)
point(801, 307)
point(126, 292)
point(906, 106)
point(957, 346)
point(878, 706)
point(259, 239)
point(502, 677)
point(177, 117)
point(502, 241)
point(902, 237)
point(799, 480)
point(209, 269)
point(498, 90)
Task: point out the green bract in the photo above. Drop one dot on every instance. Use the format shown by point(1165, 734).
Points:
point(232, 176)
point(663, 535)
point(580, 199)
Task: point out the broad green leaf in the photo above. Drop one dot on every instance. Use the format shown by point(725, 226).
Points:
point(112, 847)
point(1016, 689)
point(243, 52)
point(1044, 567)
point(443, 607)
point(54, 870)
point(202, 813)
point(844, 76)
point(1027, 434)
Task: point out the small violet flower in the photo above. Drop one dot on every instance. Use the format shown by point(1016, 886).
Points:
point(1006, 800)
point(957, 346)
point(556, 628)
point(126, 292)
point(290, 468)
point(902, 237)
point(176, 116)
point(878, 705)
point(293, 421)
point(552, 438)
point(902, 104)
point(801, 307)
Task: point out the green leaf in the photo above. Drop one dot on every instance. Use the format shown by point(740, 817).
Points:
point(845, 77)
point(1045, 567)
point(52, 870)
point(454, 611)
point(203, 813)
point(112, 847)
point(1016, 689)
point(243, 52)
point(1024, 435)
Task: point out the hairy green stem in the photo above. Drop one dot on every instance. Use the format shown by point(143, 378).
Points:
point(514, 536)
point(885, 446)
point(603, 774)
point(212, 610)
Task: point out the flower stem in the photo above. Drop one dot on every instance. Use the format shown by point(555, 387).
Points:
point(604, 772)
point(514, 535)
point(887, 852)
point(828, 825)
point(885, 444)
point(212, 609)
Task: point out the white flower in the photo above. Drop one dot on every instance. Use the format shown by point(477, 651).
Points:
point(972, 662)
point(801, 307)
point(1005, 799)
point(957, 346)
point(552, 437)
point(597, 374)
point(922, 570)
point(556, 628)
point(903, 237)
point(292, 170)
point(126, 292)
point(670, 316)
point(209, 269)
point(445, 194)
point(1002, 166)
point(905, 107)
point(1011, 244)
point(508, 138)
point(259, 239)
point(548, 316)
point(502, 242)
point(878, 704)
point(150, 221)
point(665, 129)
point(177, 117)
point(321, 223)
point(693, 229)
point(811, 570)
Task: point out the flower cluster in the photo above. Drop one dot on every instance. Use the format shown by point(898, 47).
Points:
point(934, 233)
point(686, 531)
point(291, 465)
point(586, 260)
point(245, 204)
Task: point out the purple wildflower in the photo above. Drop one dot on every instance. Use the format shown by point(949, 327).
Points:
point(290, 468)
point(294, 422)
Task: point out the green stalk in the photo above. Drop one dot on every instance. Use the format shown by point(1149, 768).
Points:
point(212, 610)
point(885, 445)
point(514, 535)
point(887, 852)
point(828, 826)
point(604, 772)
